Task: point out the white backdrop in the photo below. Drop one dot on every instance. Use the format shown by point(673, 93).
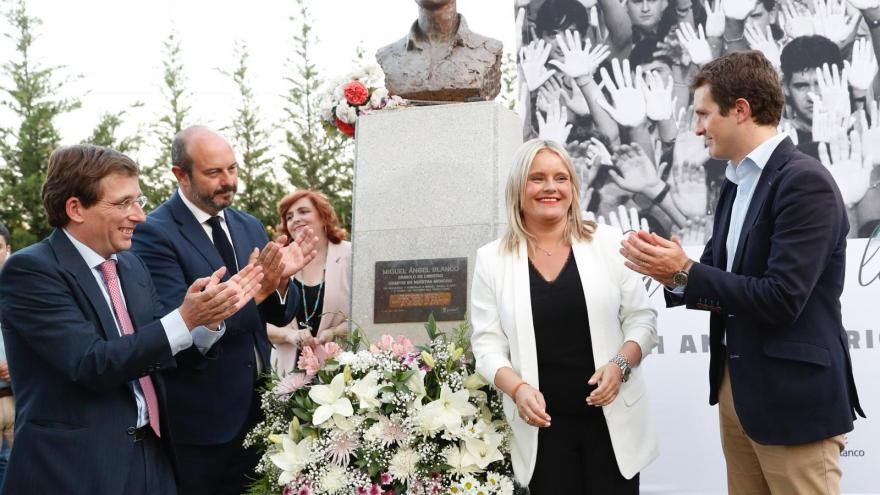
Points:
point(690, 459)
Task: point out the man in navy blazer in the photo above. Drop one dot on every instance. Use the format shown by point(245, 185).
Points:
point(771, 275)
point(213, 399)
point(85, 337)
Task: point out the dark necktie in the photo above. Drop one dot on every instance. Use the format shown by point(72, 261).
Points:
point(224, 247)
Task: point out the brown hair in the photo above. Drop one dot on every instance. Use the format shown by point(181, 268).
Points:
point(76, 171)
point(748, 75)
point(332, 230)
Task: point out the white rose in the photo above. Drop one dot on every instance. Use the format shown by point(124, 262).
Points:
point(346, 113)
point(377, 97)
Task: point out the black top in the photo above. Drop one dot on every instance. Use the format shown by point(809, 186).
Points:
point(562, 338)
point(312, 295)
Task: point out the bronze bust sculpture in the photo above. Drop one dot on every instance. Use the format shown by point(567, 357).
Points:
point(441, 59)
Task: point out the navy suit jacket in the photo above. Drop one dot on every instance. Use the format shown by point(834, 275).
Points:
point(779, 307)
point(209, 396)
point(71, 369)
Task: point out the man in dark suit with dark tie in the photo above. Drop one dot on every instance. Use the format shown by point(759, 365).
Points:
point(213, 398)
point(85, 337)
point(771, 275)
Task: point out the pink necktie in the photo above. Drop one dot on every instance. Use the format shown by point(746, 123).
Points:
point(108, 270)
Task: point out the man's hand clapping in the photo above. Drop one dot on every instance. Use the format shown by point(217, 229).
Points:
point(209, 301)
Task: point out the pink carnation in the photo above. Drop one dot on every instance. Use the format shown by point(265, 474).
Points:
point(332, 349)
point(355, 93)
point(309, 361)
point(400, 347)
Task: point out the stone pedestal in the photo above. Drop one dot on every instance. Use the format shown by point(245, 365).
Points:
point(428, 185)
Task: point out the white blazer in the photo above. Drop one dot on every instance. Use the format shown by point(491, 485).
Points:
point(618, 310)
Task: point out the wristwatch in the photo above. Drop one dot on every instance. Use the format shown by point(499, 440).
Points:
point(623, 364)
point(680, 279)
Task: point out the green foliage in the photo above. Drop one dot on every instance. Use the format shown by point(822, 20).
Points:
point(26, 141)
point(157, 181)
point(107, 128)
point(314, 159)
point(259, 189)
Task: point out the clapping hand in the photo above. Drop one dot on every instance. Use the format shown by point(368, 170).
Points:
point(763, 41)
point(870, 133)
point(843, 158)
point(578, 59)
point(689, 191)
point(554, 125)
point(637, 173)
point(532, 60)
point(694, 43)
point(297, 254)
point(208, 301)
point(738, 9)
point(714, 19)
point(626, 221)
point(863, 68)
point(658, 98)
point(629, 108)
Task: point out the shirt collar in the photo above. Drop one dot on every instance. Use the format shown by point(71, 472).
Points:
point(200, 214)
point(92, 259)
point(758, 157)
point(416, 39)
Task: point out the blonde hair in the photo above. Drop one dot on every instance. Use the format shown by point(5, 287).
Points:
point(576, 228)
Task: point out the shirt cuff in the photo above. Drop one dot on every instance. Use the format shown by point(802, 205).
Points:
point(203, 337)
point(178, 336)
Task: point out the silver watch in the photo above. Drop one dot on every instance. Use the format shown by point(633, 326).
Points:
point(624, 366)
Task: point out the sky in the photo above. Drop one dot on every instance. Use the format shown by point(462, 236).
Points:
point(115, 47)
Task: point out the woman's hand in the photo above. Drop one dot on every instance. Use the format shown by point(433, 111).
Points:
point(531, 406)
point(609, 378)
point(299, 338)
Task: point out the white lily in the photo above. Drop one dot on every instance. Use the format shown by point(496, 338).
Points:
point(447, 411)
point(482, 452)
point(292, 458)
point(367, 390)
point(331, 399)
point(456, 460)
point(475, 381)
point(416, 385)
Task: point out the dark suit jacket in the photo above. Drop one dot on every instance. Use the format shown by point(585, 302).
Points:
point(779, 307)
point(209, 397)
point(72, 370)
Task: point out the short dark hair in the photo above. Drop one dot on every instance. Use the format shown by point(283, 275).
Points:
point(555, 15)
point(76, 172)
point(808, 52)
point(4, 233)
point(643, 53)
point(747, 75)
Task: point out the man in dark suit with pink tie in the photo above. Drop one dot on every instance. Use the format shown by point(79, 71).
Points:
point(85, 337)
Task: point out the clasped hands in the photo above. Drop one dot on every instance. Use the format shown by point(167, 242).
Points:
point(209, 301)
point(649, 254)
point(533, 409)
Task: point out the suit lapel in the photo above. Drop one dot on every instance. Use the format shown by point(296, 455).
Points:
point(525, 326)
point(193, 232)
point(135, 294)
point(331, 297)
point(74, 263)
point(779, 157)
point(238, 232)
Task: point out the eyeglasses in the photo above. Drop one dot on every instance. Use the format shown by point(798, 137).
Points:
point(128, 203)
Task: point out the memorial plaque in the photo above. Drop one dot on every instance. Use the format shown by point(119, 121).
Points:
point(409, 291)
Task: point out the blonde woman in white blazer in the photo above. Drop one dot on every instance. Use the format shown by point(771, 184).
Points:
point(323, 286)
point(553, 298)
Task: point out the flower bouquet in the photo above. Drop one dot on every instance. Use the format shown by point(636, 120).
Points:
point(386, 420)
point(343, 100)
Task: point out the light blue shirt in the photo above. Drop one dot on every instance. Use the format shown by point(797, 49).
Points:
point(179, 338)
point(745, 176)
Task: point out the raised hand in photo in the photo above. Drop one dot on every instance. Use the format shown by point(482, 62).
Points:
point(689, 191)
point(578, 58)
point(659, 101)
point(628, 107)
point(861, 69)
point(694, 42)
point(843, 158)
point(554, 125)
point(532, 62)
point(637, 172)
point(763, 42)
